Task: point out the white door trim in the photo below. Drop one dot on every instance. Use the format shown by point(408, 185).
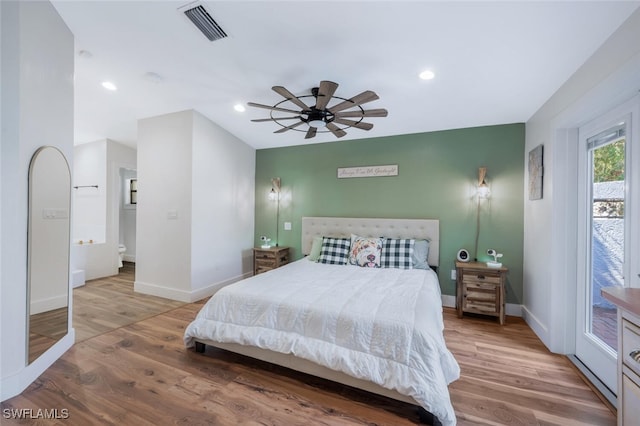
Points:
point(597, 356)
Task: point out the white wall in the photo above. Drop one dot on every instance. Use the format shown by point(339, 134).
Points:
point(610, 77)
point(222, 206)
point(195, 210)
point(90, 204)
point(163, 232)
point(37, 109)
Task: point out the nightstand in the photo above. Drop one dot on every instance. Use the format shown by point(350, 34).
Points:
point(266, 259)
point(480, 289)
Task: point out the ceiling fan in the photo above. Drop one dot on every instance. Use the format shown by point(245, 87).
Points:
point(320, 115)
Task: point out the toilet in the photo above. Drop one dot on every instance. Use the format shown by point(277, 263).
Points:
point(121, 250)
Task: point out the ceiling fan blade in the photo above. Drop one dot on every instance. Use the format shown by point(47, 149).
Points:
point(260, 120)
point(293, 126)
point(364, 97)
point(289, 96)
point(336, 130)
point(356, 124)
point(311, 133)
point(273, 108)
point(379, 112)
point(325, 93)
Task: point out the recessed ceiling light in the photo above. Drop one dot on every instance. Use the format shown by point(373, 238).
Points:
point(109, 85)
point(239, 107)
point(427, 75)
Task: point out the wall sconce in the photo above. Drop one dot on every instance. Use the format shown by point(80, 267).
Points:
point(274, 195)
point(483, 188)
point(275, 189)
point(483, 192)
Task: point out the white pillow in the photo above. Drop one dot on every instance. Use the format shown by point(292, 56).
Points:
point(314, 255)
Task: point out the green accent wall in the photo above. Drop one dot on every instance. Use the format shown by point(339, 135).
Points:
point(437, 176)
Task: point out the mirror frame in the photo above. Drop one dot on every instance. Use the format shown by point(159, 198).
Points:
point(54, 210)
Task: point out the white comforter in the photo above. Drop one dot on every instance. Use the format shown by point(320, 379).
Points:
point(380, 325)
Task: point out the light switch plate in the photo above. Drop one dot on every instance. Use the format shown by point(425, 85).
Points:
point(287, 226)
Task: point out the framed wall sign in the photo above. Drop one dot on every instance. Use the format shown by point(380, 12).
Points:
point(368, 171)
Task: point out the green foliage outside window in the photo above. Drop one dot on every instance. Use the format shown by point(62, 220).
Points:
point(608, 162)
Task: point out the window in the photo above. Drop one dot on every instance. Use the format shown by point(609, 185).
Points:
point(131, 192)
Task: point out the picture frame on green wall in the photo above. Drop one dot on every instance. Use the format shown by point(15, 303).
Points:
point(368, 171)
point(536, 172)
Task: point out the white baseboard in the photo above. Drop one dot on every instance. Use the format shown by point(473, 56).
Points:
point(538, 328)
point(513, 310)
point(51, 303)
point(14, 385)
point(162, 291)
point(448, 301)
point(510, 309)
point(182, 295)
point(77, 278)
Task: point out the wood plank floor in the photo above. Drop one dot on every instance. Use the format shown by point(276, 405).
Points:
point(141, 374)
point(109, 303)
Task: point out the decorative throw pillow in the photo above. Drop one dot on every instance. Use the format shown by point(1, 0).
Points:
point(397, 253)
point(420, 254)
point(315, 249)
point(365, 251)
point(334, 251)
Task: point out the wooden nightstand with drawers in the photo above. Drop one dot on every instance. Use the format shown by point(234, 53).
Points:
point(266, 259)
point(480, 289)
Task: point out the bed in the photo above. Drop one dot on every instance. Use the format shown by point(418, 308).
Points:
point(377, 329)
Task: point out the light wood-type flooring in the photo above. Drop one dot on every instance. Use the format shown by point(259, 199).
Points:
point(141, 374)
point(109, 303)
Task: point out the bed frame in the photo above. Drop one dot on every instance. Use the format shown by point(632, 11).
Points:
point(339, 226)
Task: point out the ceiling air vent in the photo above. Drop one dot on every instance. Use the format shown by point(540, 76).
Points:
point(203, 21)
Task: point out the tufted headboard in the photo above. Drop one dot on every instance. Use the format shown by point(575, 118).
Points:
point(370, 227)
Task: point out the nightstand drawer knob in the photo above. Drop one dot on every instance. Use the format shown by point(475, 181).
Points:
point(481, 277)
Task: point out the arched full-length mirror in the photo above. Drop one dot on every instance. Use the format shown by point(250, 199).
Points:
point(48, 246)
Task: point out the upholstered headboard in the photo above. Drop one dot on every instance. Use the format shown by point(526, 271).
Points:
point(370, 227)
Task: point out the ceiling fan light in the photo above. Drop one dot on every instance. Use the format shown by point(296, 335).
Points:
point(318, 124)
point(321, 116)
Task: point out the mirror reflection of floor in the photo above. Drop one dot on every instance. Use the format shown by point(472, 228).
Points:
point(45, 329)
point(105, 304)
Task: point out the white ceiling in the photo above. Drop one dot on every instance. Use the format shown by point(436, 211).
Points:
point(495, 62)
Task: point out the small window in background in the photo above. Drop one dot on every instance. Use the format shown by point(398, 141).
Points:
point(131, 193)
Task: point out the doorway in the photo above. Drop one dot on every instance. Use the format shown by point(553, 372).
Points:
point(127, 215)
point(605, 192)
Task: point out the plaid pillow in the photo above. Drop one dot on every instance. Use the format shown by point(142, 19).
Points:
point(334, 251)
point(397, 253)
